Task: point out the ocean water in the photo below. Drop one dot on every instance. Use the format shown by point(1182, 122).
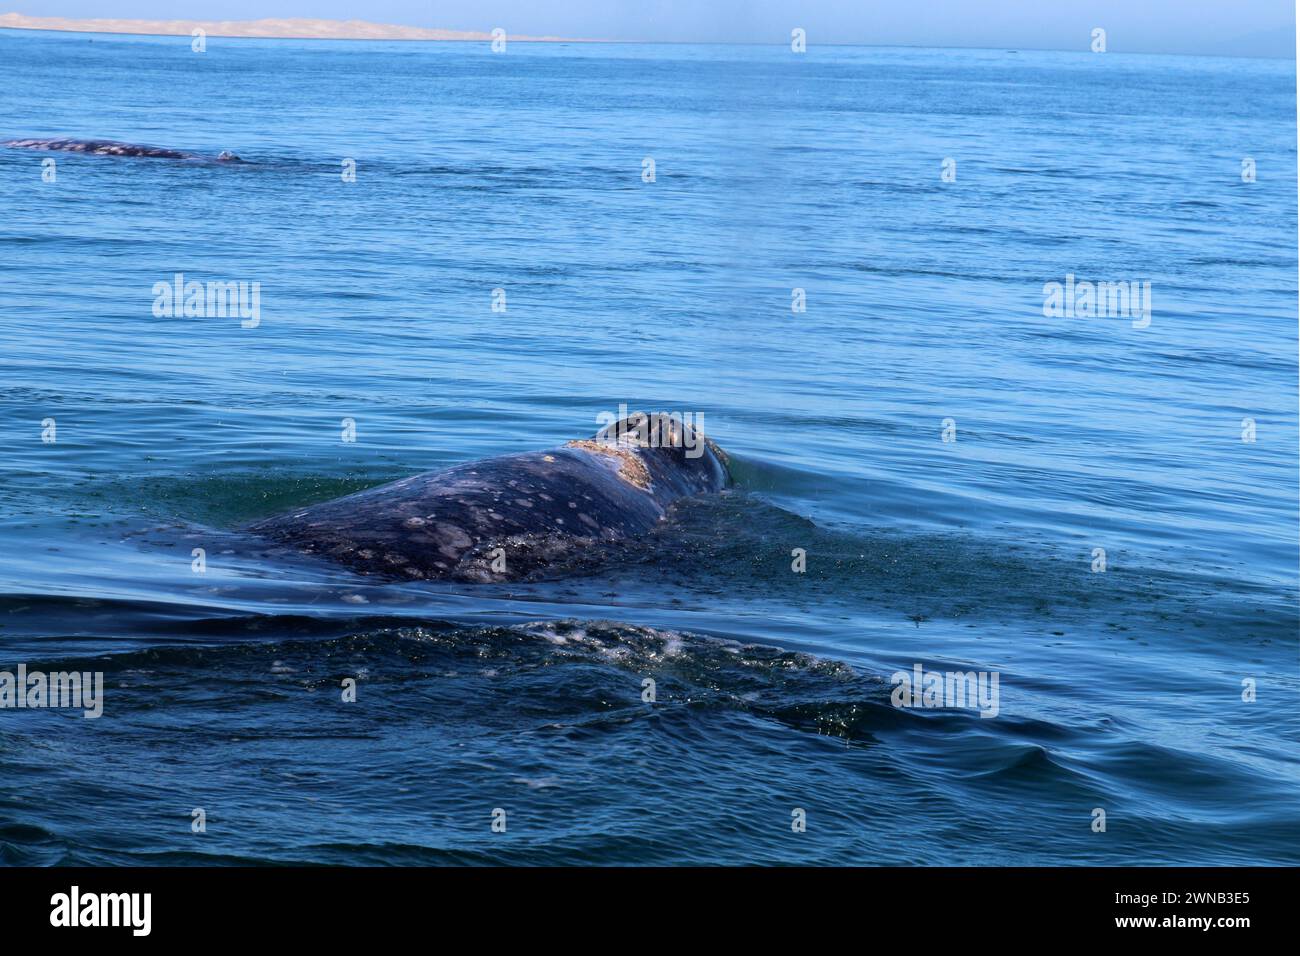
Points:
point(1119, 689)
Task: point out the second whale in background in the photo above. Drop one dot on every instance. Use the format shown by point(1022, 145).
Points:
point(109, 147)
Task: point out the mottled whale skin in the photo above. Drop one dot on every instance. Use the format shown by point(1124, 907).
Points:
point(514, 517)
point(108, 147)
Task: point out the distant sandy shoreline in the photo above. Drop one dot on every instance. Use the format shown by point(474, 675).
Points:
point(282, 29)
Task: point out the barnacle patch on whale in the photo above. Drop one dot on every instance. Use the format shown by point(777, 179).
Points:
point(631, 469)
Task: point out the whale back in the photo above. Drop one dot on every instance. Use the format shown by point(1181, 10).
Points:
point(503, 518)
point(109, 147)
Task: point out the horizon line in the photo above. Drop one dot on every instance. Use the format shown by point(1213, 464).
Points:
point(78, 26)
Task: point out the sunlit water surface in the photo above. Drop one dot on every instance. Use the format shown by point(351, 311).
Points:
point(1119, 689)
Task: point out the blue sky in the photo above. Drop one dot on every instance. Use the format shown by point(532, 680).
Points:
point(1233, 27)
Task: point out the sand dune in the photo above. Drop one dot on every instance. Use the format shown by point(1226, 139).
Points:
point(283, 29)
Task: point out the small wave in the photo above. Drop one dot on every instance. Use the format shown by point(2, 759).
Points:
point(800, 690)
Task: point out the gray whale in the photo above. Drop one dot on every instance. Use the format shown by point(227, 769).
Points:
point(108, 147)
point(513, 517)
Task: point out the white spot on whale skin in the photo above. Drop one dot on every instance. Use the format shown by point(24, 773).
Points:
point(414, 523)
point(355, 599)
point(453, 537)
